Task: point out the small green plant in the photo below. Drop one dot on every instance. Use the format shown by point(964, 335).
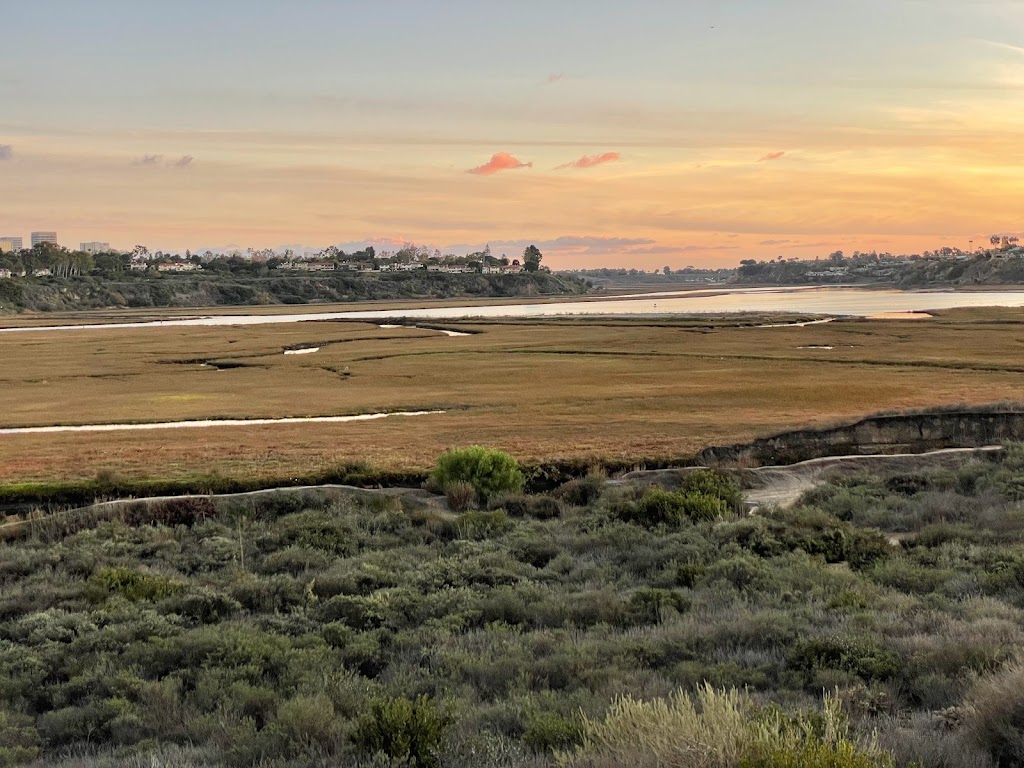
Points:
point(408, 731)
point(487, 470)
point(136, 586)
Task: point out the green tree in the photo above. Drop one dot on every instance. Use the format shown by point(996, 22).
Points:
point(532, 258)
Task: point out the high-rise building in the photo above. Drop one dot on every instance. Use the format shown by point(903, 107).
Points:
point(95, 247)
point(10, 244)
point(43, 237)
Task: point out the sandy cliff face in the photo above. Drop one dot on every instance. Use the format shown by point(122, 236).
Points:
point(907, 433)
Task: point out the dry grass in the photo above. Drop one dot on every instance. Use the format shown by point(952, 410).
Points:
point(542, 389)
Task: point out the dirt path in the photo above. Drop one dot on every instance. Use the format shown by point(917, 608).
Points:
point(783, 486)
point(763, 486)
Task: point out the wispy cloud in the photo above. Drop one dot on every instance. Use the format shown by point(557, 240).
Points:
point(772, 156)
point(184, 161)
point(6, 151)
point(1005, 46)
point(148, 160)
point(500, 161)
point(775, 242)
point(554, 77)
point(589, 161)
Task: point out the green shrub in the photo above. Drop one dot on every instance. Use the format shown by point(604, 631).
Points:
point(409, 731)
point(647, 606)
point(136, 586)
point(583, 491)
point(522, 505)
point(483, 525)
point(489, 471)
point(306, 727)
point(550, 732)
point(815, 754)
point(19, 741)
point(204, 606)
point(672, 508)
point(860, 657)
point(707, 482)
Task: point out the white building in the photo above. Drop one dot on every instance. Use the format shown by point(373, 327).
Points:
point(43, 237)
point(6, 274)
point(95, 247)
point(186, 266)
point(10, 244)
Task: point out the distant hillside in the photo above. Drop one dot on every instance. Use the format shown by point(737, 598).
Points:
point(202, 290)
point(902, 272)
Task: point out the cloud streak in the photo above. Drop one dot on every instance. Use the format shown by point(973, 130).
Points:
point(772, 156)
point(500, 161)
point(589, 161)
point(6, 151)
point(149, 160)
point(184, 161)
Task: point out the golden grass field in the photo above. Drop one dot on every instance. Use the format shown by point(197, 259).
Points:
point(543, 389)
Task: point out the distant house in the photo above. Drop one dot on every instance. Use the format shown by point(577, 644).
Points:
point(313, 266)
point(177, 267)
point(6, 273)
point(41, 273)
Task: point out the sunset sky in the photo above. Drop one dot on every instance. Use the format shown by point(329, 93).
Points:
point(611, 134)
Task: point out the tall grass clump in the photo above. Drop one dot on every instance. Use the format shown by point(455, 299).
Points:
point(487, 470)
point(719, 729)
point(995, 715)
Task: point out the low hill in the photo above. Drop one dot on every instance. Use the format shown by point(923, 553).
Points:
point(52, 294)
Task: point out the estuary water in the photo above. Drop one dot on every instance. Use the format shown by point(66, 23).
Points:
point(849, 302)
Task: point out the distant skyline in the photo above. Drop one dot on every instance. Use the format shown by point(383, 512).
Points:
point(659, 132)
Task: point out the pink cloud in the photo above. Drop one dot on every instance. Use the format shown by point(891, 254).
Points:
point(554, 77)
point(772, 156)
point(589, 161)
point(500, 161)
